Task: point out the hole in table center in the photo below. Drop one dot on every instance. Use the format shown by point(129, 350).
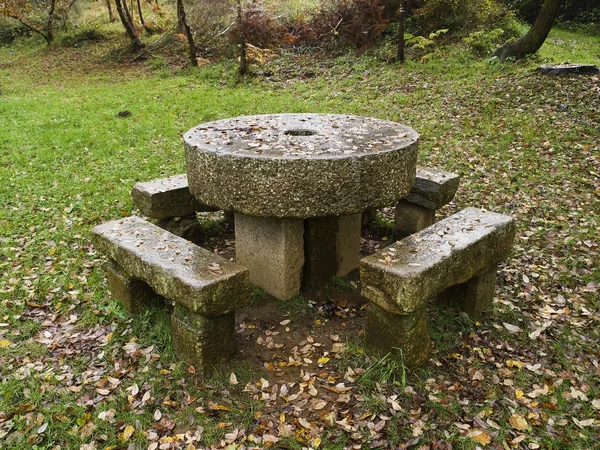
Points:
point(299, 132)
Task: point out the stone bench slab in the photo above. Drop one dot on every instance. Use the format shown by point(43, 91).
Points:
point(175, 268)
point(402, 277)
point(166, 197)
point(433, 188)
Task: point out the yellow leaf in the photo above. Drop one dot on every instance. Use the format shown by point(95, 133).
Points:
point(5, 343)
point(482, 438)
point(317, 442)
point(52, 251)
point(513, 363)
point(519, 422)
point(219, 408)
point(127, 433)
point(323, 360)
point(518, 394)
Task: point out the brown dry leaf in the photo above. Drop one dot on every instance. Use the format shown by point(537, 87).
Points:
point(305, 423)
point(319, 404)
point(518, 422)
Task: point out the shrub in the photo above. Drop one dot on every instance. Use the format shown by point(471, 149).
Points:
point(260, 28)
point(457, 15)
point(482, 43)
point(583, 11)
point(343, 22)
point(80, 37)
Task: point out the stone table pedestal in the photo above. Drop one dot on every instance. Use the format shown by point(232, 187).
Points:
point(298, 184)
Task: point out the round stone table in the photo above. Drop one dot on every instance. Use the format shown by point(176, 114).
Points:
point(298, 184)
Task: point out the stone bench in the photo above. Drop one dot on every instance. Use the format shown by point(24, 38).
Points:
point(433, 189)
point(457, 258)
point(146, 262)
point(170, 202)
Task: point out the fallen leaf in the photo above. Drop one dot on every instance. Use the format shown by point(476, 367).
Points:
point(305, 423)
point(512, 328)
point(233, 379)
point(518, 422)
point(127, 433)
point(583, 423)
point(480, 436)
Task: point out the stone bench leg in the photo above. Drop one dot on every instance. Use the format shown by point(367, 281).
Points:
point(474, 296)
point(135, 295)
point(273, 250)
point(331, 248)
point(387, 332)
point(202, 341)
point(411, 218)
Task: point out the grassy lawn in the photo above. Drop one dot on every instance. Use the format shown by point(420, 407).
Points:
point(77, 372)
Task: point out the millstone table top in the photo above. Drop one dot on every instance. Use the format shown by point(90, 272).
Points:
point(300, 165)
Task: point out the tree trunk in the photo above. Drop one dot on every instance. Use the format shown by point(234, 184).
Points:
point(535, 37)
point(140, 13)
point(243, 68)
point(401, 44)
point(188, 33)
point(128, 25)
point(50, 23)
point(111, 16)
point(127, 13)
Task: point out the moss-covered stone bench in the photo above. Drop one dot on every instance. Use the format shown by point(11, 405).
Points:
point(456, 258)
point(146, 262)
point(170, 202)
point(433, 189)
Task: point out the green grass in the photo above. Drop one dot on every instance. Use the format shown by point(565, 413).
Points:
point(524, 144)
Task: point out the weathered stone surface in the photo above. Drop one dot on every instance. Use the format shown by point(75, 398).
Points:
point(300, 165)
point(348, 244)
point(174, 268)
point(473, 296)
point(569, 69)
point(411, 218)
point(401, 277)
point(135, 295)
point(433, 188)
point(201, 341)
point(166, 197)
point(331, 247)
point(273, 250)
point(406, 334)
